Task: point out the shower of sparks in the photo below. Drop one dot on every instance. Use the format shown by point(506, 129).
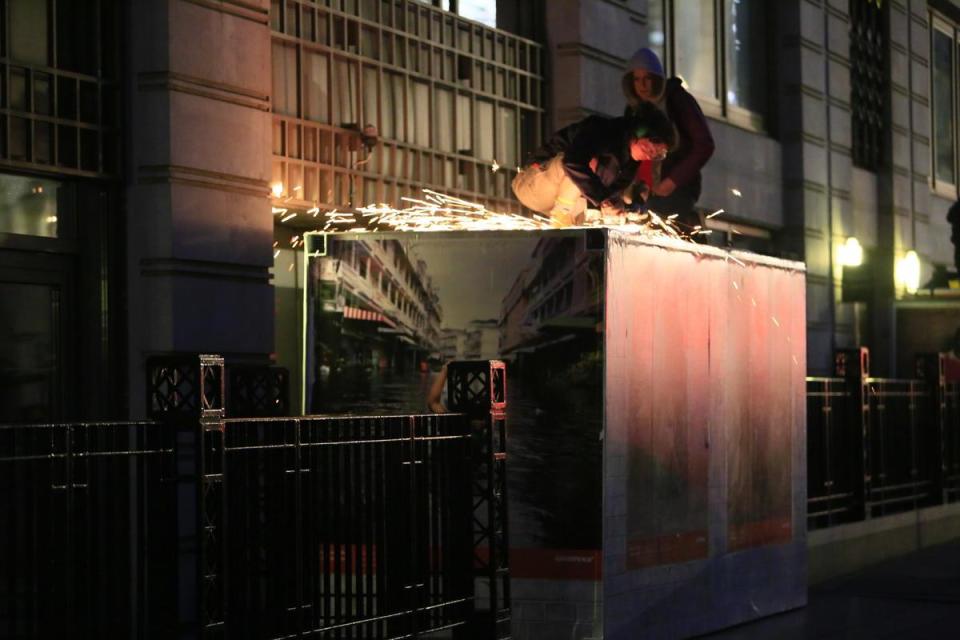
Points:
point(775, 321)
point(278, 210)
point(715, 213)
point(289, 217)
point(494, 167)
point(736, 192)
point(435, 211)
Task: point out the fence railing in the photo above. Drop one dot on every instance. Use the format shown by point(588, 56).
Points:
point(198, 525)
point(340, 527)
point(877, 446)
point(84, 544)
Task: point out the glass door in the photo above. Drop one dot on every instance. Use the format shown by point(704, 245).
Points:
point(36, 342)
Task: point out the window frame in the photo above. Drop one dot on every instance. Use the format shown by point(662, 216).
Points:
point(950, 29)
point(716, 106)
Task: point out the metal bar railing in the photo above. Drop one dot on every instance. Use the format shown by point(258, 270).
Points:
point(877, 446)
point(195, 525)
point(84, 545)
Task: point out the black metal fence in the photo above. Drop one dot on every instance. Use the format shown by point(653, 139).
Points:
point(84, 511)
point(877, 446)
point(197, 525)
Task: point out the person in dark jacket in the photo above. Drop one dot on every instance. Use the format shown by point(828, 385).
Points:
point(677, 188)
point(953, 217)
point(590, 163)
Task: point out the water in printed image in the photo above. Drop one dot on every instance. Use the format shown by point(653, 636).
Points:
point(387, 310)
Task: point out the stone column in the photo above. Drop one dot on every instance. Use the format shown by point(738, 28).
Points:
point(198, 220)
point(588, 44)
point(904, 191)
point(815, 132)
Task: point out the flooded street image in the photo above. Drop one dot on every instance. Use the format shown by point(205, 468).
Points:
point(553, 448)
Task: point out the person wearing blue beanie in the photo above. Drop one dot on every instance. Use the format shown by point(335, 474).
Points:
point(678, 187)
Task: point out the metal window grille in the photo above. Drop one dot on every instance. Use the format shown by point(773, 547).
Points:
point(867, 80)
point(53, 117)
point(448, 96)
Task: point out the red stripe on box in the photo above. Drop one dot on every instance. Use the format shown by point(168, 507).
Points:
point(667, 549)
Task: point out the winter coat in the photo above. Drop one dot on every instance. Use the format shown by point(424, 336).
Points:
point(694, 142)
point(607, 140)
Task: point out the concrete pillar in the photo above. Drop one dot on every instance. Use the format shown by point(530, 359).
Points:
point(806, 183)
point(904, 193)
point(588, 44)
point(198, 220)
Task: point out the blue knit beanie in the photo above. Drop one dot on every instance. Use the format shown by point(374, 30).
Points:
point(646, 60)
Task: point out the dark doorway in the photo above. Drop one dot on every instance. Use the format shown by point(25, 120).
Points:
point(37, 296)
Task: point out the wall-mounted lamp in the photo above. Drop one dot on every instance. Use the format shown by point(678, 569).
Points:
point(857, 277)
point(850, 253)
point(907, 271)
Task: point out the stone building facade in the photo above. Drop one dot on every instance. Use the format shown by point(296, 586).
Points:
point(181, 135)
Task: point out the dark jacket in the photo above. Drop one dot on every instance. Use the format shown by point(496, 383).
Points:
point(694, 142)
point(608, 140)
point(953, 217)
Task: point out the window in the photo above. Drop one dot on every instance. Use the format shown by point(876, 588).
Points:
point(448, 97)
point(316, 86)
point(284, 79)
point(28, 206)
point(60, 94)
point(483, 11)
point(943, 63)
point(867, 85)
point(719, 49)
point(695, 62)
point(746, 58)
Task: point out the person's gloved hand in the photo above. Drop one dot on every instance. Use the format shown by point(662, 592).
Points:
point(665, 188)
point(635, 197)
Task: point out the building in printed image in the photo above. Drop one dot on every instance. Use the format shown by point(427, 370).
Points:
point(374, 288)
point(453, 344)
point(482, 341)
point(555, 299)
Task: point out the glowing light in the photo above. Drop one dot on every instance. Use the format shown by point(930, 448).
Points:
point(736, 192)
point(435, 211)
point(51, 219)
point(850, 253)
point(907, 272)
point(277, 189)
